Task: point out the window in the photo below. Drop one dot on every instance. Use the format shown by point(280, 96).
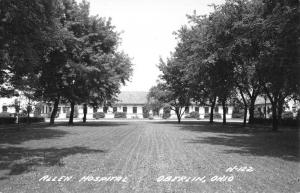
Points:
point(197, 109)
point(259, 109)
point(134, 109)
point(105, 109)
point(124, 109)
point(186, 110)
point(206, 109)
point(115, 109)
point(216, 109)
point(269, 110)
point(94, 110)
point(65, 109)
point(4, 109)
point(50, 109)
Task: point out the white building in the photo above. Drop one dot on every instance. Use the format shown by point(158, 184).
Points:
point(129, 102)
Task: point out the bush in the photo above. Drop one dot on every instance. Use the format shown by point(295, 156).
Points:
point(258, 114)
point(238, 115)
point(99, 115)
point(193, 115)
point(7, 120)
point(31, 119)
point(74, 116)
point(216, 116)
point(49, 115)
point(5, 114)
point(145, 113)
point(120, 115)
point(287, 115)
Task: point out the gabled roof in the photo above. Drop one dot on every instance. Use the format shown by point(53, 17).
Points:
point(132, 97)
point(261, 100)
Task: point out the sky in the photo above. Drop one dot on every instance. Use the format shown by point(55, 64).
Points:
point(147, 31)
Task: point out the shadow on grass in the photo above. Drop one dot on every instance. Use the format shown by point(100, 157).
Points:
point(254, 141)
point(18, 134)
point(16, 160)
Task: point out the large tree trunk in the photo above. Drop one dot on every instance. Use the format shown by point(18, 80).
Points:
point(280, 110)
point(251, 110)
point(28, 115)
point(245, 114)
point(212, 107)
point(71, 113)
point(177, 111)
point(54, 111)
point(84, 112)
point(245, 107)
point(274, 117)
point(224, 112)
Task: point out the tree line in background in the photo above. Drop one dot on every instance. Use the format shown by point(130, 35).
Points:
point(54, 51)
point(243, 49)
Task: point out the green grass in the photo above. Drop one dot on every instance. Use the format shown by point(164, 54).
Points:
point(144, 151)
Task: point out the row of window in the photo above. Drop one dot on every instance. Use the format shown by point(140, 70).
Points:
point(134, 109)
point(115, 109)
point(206, 110)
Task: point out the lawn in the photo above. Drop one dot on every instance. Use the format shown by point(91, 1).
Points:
point(148, 157)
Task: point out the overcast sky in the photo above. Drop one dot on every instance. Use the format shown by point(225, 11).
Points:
point(148, 28)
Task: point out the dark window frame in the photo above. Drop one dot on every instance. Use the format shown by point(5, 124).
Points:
point(134, 110)
point(206, 109)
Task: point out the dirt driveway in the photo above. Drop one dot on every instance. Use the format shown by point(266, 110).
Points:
point(148, 157)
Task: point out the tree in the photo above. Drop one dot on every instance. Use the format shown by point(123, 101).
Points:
point(175, 85)
point(168, 98)
point(26, 31)
point(279, 61)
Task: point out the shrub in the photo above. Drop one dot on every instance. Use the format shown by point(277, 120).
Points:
point(238, 115)
point(31, 119)
point(287, 115)
point(258, 114)
point(5, 114)
point(145, 112)
point(216, 116)
point(166, 113)
point(49, 115)
point(99, 115)
point(193, 115)
point(120, 115)
point(74, 116)
point(7, 120)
